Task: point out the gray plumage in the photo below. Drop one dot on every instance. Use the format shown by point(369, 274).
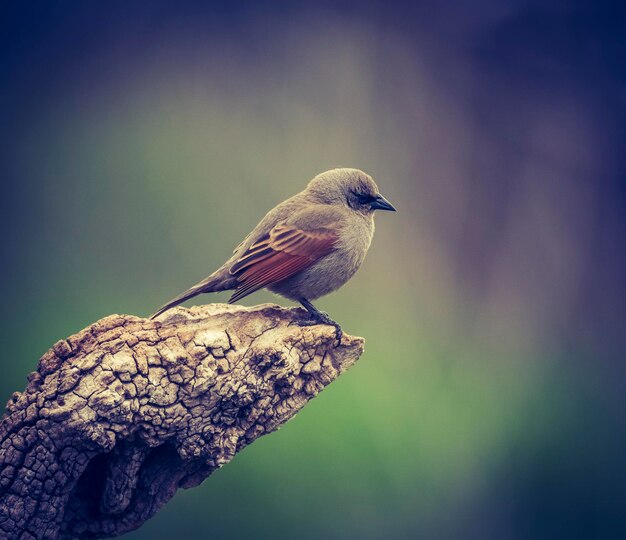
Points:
point(305, 247)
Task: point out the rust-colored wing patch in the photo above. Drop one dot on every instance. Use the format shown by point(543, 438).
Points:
point(283, 252)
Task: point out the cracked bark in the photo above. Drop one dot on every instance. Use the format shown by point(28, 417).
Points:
point(119, 416)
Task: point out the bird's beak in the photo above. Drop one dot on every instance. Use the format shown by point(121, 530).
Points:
point(380, 203)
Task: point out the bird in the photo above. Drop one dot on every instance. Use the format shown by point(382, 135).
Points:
point(305, 247)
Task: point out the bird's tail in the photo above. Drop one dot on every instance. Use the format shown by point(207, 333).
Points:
point(214, 283)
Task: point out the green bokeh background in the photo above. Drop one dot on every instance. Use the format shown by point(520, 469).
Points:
point(489, 401)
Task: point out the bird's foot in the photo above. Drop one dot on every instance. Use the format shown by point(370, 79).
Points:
point(321, 317)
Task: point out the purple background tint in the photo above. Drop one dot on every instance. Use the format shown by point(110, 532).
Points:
point(139, 141)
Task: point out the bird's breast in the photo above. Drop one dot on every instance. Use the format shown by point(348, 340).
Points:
point(355, 237)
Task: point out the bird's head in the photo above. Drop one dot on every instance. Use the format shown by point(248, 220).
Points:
point(348, 187)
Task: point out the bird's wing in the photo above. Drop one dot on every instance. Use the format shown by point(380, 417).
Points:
point(281, 253)
point(241, 243)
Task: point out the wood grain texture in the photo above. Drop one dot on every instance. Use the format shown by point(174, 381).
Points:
point(119, 416)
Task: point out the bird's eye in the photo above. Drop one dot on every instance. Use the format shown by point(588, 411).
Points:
point(363, 198)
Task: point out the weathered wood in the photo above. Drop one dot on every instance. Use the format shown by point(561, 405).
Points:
point(119, 416)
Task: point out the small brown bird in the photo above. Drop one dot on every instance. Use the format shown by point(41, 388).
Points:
point(304, 248)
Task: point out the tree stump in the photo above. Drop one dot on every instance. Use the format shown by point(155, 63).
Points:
point(119, 416)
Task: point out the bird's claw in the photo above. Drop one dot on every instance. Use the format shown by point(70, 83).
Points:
point(323, 318)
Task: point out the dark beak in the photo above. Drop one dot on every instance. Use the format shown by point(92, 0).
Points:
point(380, 203)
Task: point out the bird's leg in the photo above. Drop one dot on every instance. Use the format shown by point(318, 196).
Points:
point(320, 317)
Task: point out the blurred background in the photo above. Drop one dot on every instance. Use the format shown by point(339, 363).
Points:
point(140, 141)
